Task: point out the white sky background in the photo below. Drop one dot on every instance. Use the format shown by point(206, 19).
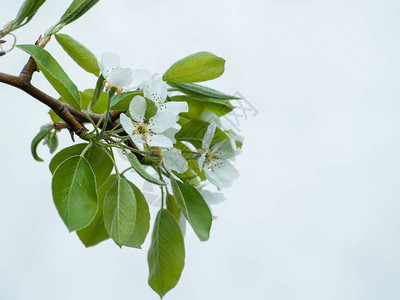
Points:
point(314, 214)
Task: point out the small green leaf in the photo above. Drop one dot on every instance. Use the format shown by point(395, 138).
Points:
point(44, 131)
point(74, 192)
point(53, 142)
point(166, 256)
point(96, 232)
point(26, 12)
point(120, 211)
point(87, 97)
point(100, 162)
point(97, 94)
point(79, 53)
point(194, 130)
point(197, 90)
point(140, 170)
point(142, 224)
point(151, 109)
point(201, 66)
point(193, 207)
point(54, 74)
point(197, 106)
point(122, 101)
point(76, 10)
point(54, 117)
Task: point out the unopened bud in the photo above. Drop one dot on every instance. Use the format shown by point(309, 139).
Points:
point(7, 28)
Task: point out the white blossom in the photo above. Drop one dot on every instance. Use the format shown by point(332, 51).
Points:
point(147, 131)
point(173, 160)
point(121, 78)
point(156, 89)
point(215, 160)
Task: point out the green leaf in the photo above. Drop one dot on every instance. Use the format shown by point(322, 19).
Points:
point(96, 232)
point(76, 10)
point(201, 91)
point(44, 131)
point(54, 74)
point(201, 66)
point(197, 106)
point(120, 211)
point(26, 12)
point(54, 117)
point(140, 170)
point(97, 94)
point(193, 207)
point(122, 101)
point(151, 108)
point(79, 53)
point(53, 142)
point(193, 132)
point(74, 192)
point(166, 256)
point(173, 207)
point(87, 97)
point(142, 224)
point(100, 162)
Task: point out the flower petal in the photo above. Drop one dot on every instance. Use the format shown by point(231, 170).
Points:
point(162, 121)
point(208, 136)
point(127, 124)
point(140, 77)
point(137, 138)
point(212, 197)
point(137, 108)
point(174, 160)
point(156, 90)
point(159, 140)
point(176, 107)
point(223, 149)
point(225, 172)
point(108, 62)
point(170, 132)
point(213, 178)
point(121, 77)
point(201, 161)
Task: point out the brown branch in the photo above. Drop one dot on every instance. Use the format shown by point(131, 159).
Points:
point(74, 118)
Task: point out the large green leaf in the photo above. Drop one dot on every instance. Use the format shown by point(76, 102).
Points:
point(201, 91)
point(197, 106)
point(74, 192)
point(43, 132)
point(166, 256)
point(54, 74)
point(194, 130)
point(120, 211)
point(193, 207)
point(173, 207)
point(76, 10)
point(100, 162)
point(140, 170)
point(142, 224)
point(201, 66)
point(96, 232)
point(79, 53)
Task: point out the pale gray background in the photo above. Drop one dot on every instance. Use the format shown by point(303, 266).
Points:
point(314, 214)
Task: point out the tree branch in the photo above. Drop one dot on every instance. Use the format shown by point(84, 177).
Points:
point(71, 116)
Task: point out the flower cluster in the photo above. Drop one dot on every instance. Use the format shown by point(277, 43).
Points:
point(158, 130)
